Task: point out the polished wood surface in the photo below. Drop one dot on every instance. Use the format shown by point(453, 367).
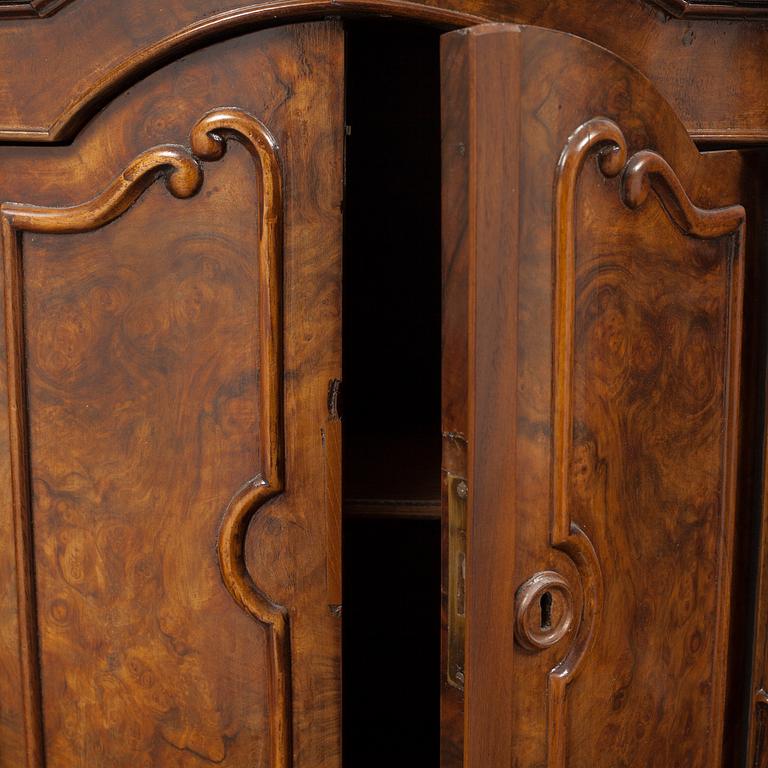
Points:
point(712, 71)
point(603, 304)
point(476, 175)
point(159, 397)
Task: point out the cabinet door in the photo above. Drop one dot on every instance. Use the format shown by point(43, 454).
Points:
point(593, 286)
point(171, 286)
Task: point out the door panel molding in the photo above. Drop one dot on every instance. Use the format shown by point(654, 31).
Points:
point(225, 24)
point(180, 169)
point(644, 172)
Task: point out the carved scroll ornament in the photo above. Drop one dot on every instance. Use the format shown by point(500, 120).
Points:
point(182, 173)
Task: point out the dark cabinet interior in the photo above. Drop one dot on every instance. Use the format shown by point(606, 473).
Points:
point(391, 270)
point(391, 397)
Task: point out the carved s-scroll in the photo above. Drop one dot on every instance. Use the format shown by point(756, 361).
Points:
point(181, 170)
point(642, 173)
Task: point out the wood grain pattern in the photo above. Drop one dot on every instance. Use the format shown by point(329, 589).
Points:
point(183, 176)
point(672, 611)
point(155, 361)
point(604, 365)
point(642, 173)
point(711, 71)
point(227, 23)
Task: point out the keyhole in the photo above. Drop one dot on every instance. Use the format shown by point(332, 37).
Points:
point(545, 603)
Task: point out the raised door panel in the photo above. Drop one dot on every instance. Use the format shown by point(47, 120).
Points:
point(594, 263)
point(172, 323)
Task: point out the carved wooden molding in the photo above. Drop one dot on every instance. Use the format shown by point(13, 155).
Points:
point(30, 9)
point(641, 174)
point(208, 141)
point(224, 24)
point(692, 9)
point(703, 9)
point(183, 176)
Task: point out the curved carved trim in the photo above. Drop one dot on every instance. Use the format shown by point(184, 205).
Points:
point(180, 170)
point(648, 171)
point(208, 140)
point(30, 9)
point(579, 548)
point(225, 24)
point(601, 136)
point(183, 176)
point(642, 173)
point(18, 434)
point(701, 9)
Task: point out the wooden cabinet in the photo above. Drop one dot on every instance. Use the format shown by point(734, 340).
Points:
point(383, 391)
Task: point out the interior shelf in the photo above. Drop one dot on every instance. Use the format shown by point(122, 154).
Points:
point(408, 486)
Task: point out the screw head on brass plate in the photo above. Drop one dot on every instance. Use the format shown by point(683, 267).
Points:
point(543, 611)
